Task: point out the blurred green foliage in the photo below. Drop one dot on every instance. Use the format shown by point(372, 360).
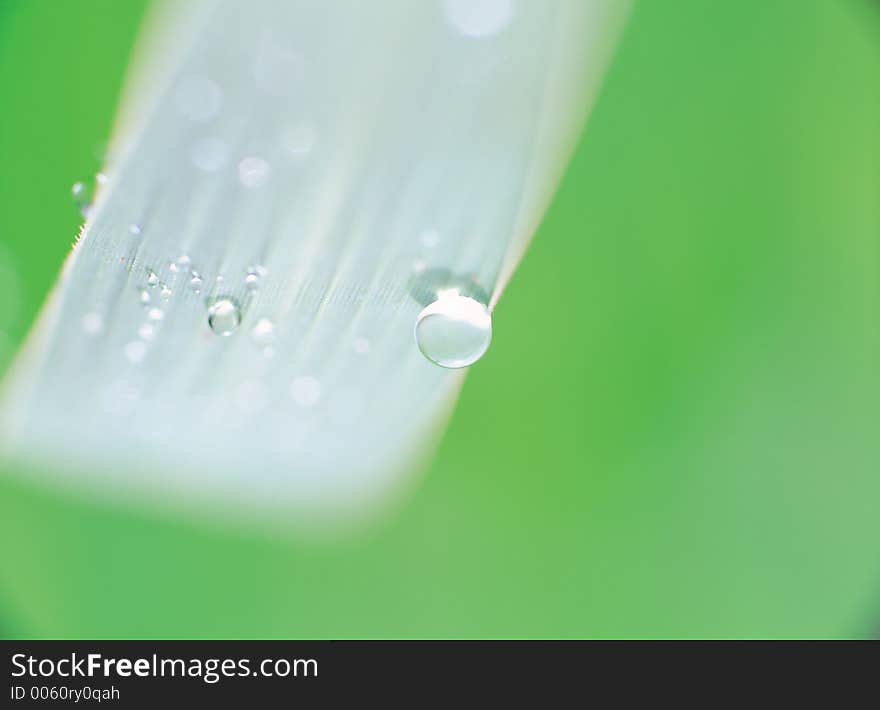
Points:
point(675, 432)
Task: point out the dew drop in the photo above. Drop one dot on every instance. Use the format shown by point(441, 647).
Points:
point(198, 98)
point(83, 197)
point(165, 290)
point(252, 279)
point(195, 283)
point(253, 171)
point(135, 351)
point(277, 69)
point(299, 138)
point(92, 323)
point(147, 331)
point(155, 314)
point(306, 391)
point(209, 154)
point(478, 18)
point(224, 316)
point(454, 331)
point(144, 296)
point(429, 238)
point(152, 278)
point(183, 261)
point(263, 332)
point(135, 230)
point(361, 346)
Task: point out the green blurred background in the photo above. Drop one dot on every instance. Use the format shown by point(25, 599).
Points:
point(675, 432)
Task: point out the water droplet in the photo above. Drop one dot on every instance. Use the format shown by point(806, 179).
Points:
point(147, 331)
point(165, 290)
point(454, 331)
point(429, 238)
point(209, 154)
point(152, 278)
point(263, 332)
point(155, 314)
point(195, 283)
point(306, 391)
point(83, 196)
point(361, 346)
point(101, 178)
point(144, 296)
point(224, 316)
point(135, 351)
point(92, 323)
point(172, 267)
point(135, 230)
point(183, 261)
point(478, 18)
point(277, 68)
point(253, 171)
point(252, 278)
point(299, 138)
point(198, 98)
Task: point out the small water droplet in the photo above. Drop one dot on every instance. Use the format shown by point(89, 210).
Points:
point(195, 283)
point(135, 230)
point(306, 391)
point(101, 178)
point(263, 332)
point(83, 196)
point(155, 314)
point(429, 238)
point(183, 261)
point(165, 290)
point(135, 351)
point(252, 281)
point(144, 296)
point(224, 316)
point(361, 346)
point(299, 138)
point(277, 68)
point(478, 18)
point(172, 267)
point(92, 323)
point(147, 331)
point(209, 154)
point(152, 278)
point(253, 171)
point(454, 331)
point(198, 98)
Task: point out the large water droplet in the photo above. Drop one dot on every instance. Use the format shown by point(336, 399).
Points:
point(454, 331)
point(224, 316)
